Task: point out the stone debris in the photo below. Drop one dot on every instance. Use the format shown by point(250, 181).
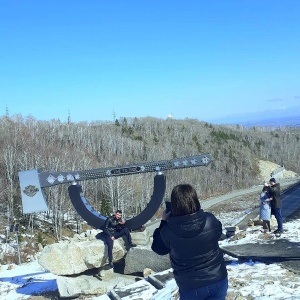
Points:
point(231, 231)
point(102, 283)
point(139, 290)
point(147, 272)
point(159, 285)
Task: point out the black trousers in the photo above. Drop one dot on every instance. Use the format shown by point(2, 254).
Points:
point(110, 243)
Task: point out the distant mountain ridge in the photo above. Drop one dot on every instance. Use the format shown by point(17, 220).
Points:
point(277, 117)
point(284, 121)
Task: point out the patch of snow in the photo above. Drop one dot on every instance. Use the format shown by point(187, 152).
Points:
point(249, 280)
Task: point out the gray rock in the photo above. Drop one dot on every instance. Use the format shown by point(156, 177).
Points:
point(83, 285)
point(145, 290)
point(69, 257)
point(138, 290)
point(80, 285)
point(141, 237)
point(138, 259)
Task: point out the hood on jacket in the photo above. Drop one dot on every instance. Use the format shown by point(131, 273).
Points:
point(188, 225)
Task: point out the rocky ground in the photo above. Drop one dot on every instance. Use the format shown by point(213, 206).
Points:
point(230, 211)
point(227, 212)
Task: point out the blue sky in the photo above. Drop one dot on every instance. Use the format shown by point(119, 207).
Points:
point(192, 59)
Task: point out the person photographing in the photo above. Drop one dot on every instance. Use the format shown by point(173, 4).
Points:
point(190, 236)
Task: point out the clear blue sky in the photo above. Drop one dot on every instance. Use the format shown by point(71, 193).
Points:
point(192, 59)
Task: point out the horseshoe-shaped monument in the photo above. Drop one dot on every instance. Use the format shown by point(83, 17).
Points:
point(32, 183)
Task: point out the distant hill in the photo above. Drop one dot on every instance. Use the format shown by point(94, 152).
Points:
point(276, 118)
point(284, 121)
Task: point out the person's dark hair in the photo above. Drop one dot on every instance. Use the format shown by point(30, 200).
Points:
point(184, 200)
point(118, 211)
point(265, 188)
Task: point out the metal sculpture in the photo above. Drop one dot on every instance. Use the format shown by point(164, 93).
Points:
point(32, 182)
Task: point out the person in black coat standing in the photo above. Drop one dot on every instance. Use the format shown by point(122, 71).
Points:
point(191, 236)
point(114, 227)
point(275, 192)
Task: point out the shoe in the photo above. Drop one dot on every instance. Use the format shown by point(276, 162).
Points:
point(111, 265)
point(278, 231)
point(132, 245)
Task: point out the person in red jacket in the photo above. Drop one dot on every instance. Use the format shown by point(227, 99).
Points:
point(190, 236)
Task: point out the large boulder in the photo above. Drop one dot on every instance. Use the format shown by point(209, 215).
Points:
point(137, 259)
point(141, 237)
point(74, 257)
point(84, 285)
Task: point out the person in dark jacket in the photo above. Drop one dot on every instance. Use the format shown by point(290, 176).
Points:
point(191, 236)
point(114, 227)
point(274, 191)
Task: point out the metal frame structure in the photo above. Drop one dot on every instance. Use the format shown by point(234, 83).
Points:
point(32, 183)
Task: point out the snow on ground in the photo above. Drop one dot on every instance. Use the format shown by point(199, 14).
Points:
point(249, 280)
point(25, 280)
point(256, 280)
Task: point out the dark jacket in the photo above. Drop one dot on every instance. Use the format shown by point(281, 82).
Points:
point(112, 225)
point(274, 191)
point(192, 242)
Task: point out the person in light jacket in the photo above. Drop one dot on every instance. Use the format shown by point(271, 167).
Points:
point(265, 208)
point(190, 236)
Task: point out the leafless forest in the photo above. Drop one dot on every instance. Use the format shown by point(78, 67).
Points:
point(27, 143)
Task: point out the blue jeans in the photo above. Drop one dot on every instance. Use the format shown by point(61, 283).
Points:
point(215, 291)
point(278, 217)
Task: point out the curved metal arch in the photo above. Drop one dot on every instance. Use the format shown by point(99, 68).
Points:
point(93, 218)
point(32, 182)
